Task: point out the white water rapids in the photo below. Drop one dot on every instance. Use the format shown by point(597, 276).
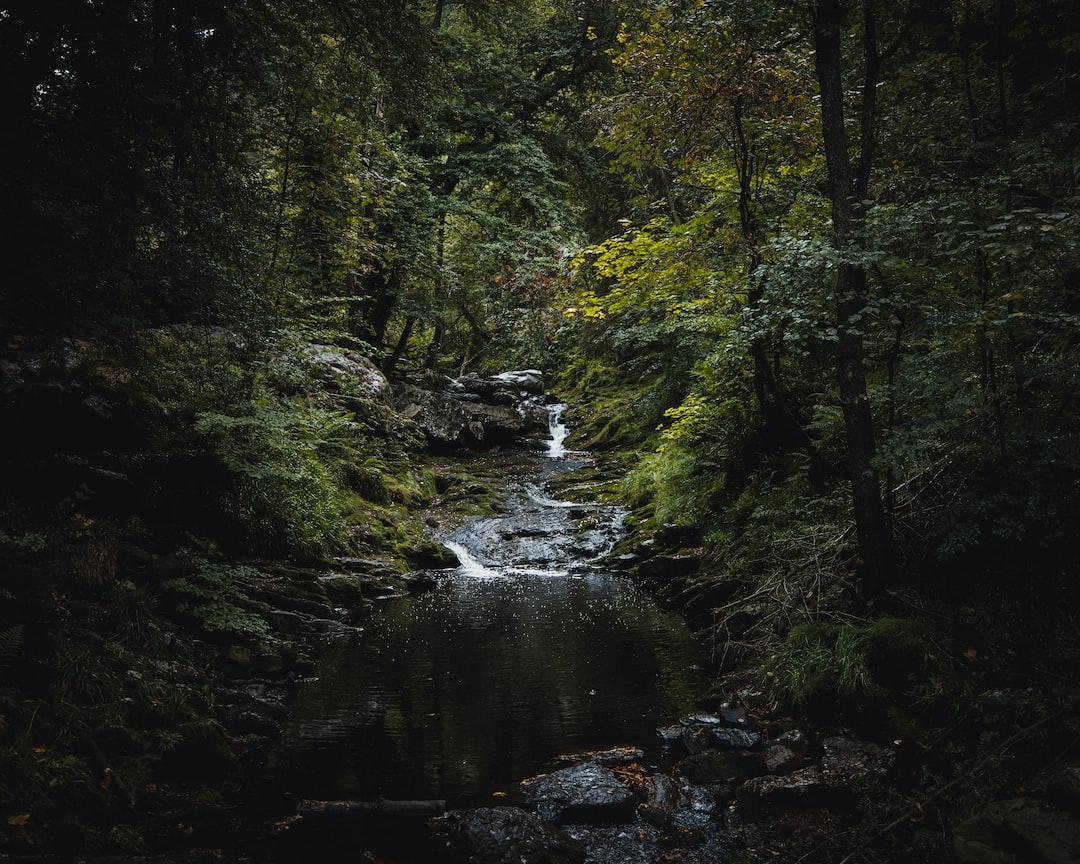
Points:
point(558, 432)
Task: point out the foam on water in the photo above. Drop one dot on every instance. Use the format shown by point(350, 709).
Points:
point(558, 432)
point(469, 565)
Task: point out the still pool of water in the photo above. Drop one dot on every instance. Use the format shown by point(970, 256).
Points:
point(529, 650)
point(469, 688)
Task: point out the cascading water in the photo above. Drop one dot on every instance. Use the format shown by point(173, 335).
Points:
point(558, 432)
point(469, 565)
point(528, 649)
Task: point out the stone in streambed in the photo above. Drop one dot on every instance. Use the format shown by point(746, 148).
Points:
point(663, 568)
point(804, 788)
point(349, 590)
point(781, 759)
point(504, 835)
point(796, 740)
point(588, 793)
point(847, 760)
point(612, 756)
point(708, 737)
point(721, 766)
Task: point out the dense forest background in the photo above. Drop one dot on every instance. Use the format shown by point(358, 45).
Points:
point(808, 274)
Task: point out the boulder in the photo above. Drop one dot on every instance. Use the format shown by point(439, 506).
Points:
point(587, 793)
point(350, 371)
point(664, 568)
point(612, 756)
point(721, 766)
point(781, 759)
point(504, 835)
point(803, 788)
point(450, 420)
point(700, 737)
point(1018, 831)
point(530, 381)
point(672, 536)
point(439, 416)
point(670, 736)
point(523, 381)
point(431, 556)
point(847, 760)
point(796, 740)
point(348, 590)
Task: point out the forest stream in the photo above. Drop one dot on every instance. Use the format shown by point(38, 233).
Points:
point(528, 650)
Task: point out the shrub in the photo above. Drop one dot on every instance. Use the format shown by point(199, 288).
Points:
point(869, 673)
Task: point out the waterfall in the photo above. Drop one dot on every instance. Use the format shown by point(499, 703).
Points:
point(558, 432)
point(469, 565)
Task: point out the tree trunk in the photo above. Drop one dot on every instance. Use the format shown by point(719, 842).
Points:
point(402, 344)
point(766, 378)
point(434, 346)
point(847, 191)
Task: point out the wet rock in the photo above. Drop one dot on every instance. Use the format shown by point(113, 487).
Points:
point(733, 715)
point(431, 556)
point(664, 568)
point(345, 589)
point(269, 664)
point(680, 836)
point(803, 788)
point(419, 581)
point(462, 418)
point(658, 817)
point(721, 766)
point(251, 722)
point(670, 736)
point(439, 416)
point(585, 793)
point(1018, 831)
point(781, 759)
point(529, 380)
point(612, 756)
point(504, 835)
point(671, 536)
point(796, 740)
point(700, 737)
point(364, 566)
point(847, 760)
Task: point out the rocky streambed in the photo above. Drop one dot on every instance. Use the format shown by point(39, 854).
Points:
point(532, 658)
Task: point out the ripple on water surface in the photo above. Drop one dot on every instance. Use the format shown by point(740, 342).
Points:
point(479, 683)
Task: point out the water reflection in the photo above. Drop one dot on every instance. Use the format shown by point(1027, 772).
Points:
point(469, 688)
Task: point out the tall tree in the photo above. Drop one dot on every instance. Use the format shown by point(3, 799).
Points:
point(848, 188)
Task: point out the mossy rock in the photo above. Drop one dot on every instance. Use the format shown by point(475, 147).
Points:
point(429, 555)
point(346, 589)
